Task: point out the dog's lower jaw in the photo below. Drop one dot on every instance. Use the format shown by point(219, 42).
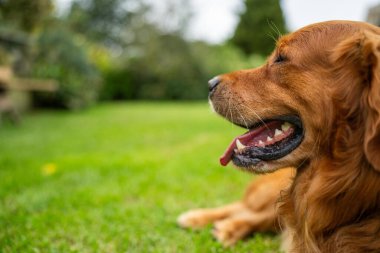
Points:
point(261, 168)
point(265, 167)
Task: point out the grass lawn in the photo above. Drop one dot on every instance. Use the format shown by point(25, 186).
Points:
point(114, 178)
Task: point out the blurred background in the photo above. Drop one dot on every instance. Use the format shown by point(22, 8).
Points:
point(105, 131)
point(74, 53)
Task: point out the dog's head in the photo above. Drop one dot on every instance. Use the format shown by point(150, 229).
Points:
point(318, 94)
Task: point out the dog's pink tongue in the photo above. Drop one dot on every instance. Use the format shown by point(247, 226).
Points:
point(244, 139)
point(226, 157)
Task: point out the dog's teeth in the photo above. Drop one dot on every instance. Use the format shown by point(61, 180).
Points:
point(261, 143)
point(240, 146)
point(277, 132)
point(269, 138)
point(285, 126)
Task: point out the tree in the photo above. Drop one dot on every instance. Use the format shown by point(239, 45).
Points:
point(102, 21)
point(62, 56)
point(25, 14)
point(260, 20)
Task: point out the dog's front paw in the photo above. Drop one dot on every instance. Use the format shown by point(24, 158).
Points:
point(229, 231)
point(193, 219)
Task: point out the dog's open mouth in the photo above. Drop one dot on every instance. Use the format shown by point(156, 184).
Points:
point(266, 141)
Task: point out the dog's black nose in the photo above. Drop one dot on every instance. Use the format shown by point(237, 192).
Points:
point(213, 83)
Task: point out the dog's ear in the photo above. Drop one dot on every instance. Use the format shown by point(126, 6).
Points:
point(372, 97)
point(360, 54)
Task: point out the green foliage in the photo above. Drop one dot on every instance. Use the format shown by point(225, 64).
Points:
point(155, 63)
point(219, 59)
point(175, 72)
point(62, 56)
point(259, 26)
point(118, 85)
point(4, 57)
point(165, 66)
point(25, 14)
point(100, 20)
point(118, 43)
point(114, 179)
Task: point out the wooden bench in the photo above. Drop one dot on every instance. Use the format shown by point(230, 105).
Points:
point(15, 93)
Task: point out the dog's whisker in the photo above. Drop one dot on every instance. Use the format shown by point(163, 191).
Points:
point(242, 117)
point(274, 28)
point(236, 109)
point(257, 116)
point(270, 35)
point(229, 110)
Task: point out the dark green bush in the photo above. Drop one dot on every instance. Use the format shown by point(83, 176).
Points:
point(166, 69)
point(118, 85)
point(61, 55)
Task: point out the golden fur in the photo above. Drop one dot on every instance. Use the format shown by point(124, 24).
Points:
point(330, 78)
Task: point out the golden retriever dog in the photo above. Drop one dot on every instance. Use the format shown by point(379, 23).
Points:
point(314, 106)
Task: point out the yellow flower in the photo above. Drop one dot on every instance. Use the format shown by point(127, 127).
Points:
point(49, 169)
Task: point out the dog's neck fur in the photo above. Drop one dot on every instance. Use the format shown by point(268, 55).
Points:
point(334, 202)
point(340, 195)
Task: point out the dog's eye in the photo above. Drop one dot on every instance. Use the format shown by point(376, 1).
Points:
point(279, 58)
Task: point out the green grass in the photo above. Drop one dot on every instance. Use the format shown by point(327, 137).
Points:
point(114, 178)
